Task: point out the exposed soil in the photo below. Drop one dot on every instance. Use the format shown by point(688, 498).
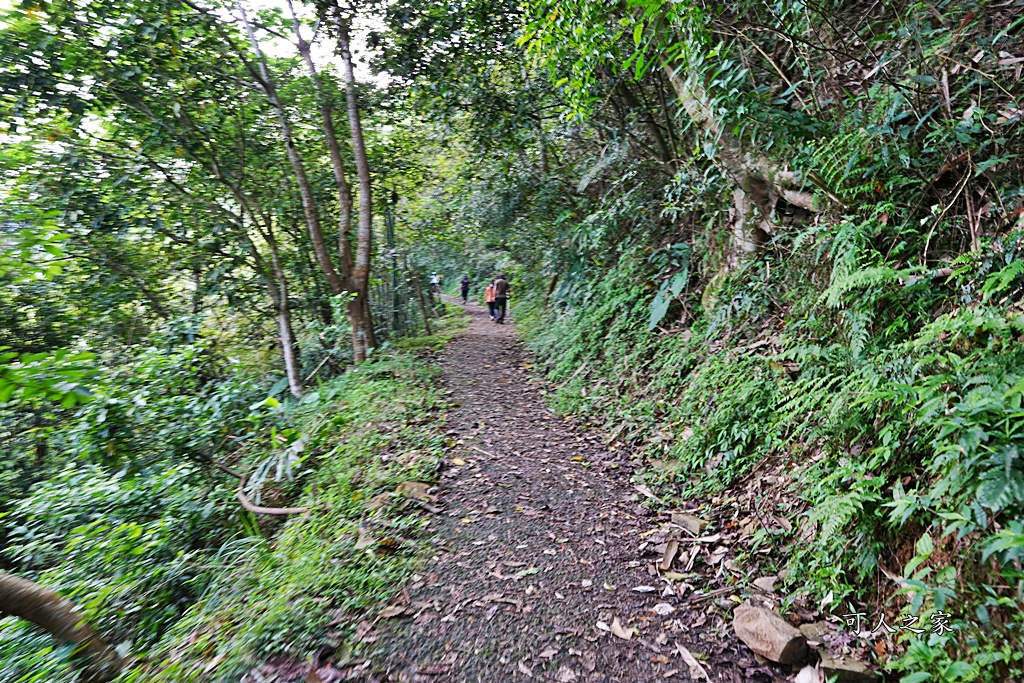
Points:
point(545, 554)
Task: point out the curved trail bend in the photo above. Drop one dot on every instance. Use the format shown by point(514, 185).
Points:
point(538, 550)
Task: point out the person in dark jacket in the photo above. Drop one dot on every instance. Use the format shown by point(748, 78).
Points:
point(501, 289)
point(464, 285)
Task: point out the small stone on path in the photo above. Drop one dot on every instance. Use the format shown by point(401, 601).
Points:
point(768, 634)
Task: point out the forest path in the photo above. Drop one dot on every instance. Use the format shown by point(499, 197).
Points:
point(538, 550)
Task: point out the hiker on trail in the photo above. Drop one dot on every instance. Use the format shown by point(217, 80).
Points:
point(489, 298)
point(435, 283)
point(501, 288)
point(465, 289)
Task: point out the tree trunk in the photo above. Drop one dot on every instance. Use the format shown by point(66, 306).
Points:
point(551, 288)
point(309, 206)
point(760, 182)
point(289, 346)
point(356, 318)
point(361, 267)
point(418, 284)
point(277, 288)
point(334, 149)
point(250, 208)
point(62, 620)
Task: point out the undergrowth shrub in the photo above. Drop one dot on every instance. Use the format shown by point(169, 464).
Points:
point(163, 560)
point(307, 587)
point(896, 396)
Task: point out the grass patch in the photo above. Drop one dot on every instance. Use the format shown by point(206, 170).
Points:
point(307, 586)
point(455, 322)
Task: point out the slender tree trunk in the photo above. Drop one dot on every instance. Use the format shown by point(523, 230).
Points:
point(334, 149)
point(437, 306)
point(361, 267)
point(309, 206)
point(249, 208)
point(355, 313)
point(277, 288)
point(418, 284)
point(289, 346)
point(62, 620)
point(551, 288)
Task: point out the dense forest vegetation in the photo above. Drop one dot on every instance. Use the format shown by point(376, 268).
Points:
point(747, 240)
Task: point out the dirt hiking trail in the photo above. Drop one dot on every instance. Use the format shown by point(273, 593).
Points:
point(544, 554)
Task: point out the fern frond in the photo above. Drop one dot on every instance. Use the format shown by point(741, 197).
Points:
point(834, 513)
point(844, 283)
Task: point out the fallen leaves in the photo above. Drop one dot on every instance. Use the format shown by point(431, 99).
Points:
point(378, 501)
point(392, 611)
point(380, 547)
point(525, 572)
point(364, 540)
point(565, 675)
point(414, 489)
point(547, 495)
point(691, 523)
point(697, 671)
point(663, 609)
point(435, 670)
point(671, 550)
point(619, 631)
point(647, 492)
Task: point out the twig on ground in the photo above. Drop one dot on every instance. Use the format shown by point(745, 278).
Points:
point(482, 451)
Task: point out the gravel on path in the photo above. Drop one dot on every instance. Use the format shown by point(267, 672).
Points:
point(537, 569)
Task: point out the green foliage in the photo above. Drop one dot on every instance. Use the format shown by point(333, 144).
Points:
point(676, 256)
point(904, 422)
point(28, 656)
point(162, 553)
point(127, 549)
point(370, 430)
point(59, 377)
point(151, 243)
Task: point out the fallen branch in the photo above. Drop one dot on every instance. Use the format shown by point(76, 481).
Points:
point(62, 620)
point(317, 369)
point(256, 509)
point(710, 594)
